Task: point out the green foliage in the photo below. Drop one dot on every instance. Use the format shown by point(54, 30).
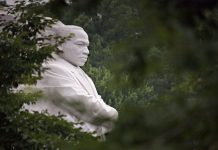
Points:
point(22, 130)
point(166, 125)
point(115, 97)
point(172, 46)
point(20, 57)
point(22, 54)
point(162, 76)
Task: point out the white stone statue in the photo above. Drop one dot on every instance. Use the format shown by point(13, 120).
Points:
point(68, 90)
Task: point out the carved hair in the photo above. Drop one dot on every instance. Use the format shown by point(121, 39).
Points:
point(61, 29)
point(58, 29)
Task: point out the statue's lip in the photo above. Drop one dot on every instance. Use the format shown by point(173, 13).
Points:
point(84, 57)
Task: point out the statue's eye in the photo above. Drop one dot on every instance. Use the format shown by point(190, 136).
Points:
point(80, 44)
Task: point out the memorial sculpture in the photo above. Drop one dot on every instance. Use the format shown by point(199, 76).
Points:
point(68, 90)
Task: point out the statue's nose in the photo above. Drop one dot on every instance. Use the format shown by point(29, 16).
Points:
point(86, 51)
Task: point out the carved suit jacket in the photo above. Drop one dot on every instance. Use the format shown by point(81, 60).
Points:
point(68, 90)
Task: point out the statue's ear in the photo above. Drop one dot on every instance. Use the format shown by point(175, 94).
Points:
point(60, 48)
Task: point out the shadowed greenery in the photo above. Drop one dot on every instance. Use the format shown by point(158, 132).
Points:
point(155, 61)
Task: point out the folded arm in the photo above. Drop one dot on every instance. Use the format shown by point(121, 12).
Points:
point(61, 86)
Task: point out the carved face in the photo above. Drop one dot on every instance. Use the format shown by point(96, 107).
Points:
point(75, 50)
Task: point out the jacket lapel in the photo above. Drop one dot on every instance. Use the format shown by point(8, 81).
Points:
point(82, 80)
point(79, 75)
point(91, 84)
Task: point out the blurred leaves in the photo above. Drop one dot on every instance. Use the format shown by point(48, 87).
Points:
point(155, 61)
point(22, 54)
point(172, 45)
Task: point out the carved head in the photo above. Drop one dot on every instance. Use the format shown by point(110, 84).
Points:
point(75, 49)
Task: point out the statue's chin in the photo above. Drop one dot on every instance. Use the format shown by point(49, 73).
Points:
point(80, 64)
point(77, 63)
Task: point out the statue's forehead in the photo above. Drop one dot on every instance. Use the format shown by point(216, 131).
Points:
point(79, 35)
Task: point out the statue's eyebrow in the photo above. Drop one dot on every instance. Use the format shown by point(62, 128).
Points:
point(82, 42)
